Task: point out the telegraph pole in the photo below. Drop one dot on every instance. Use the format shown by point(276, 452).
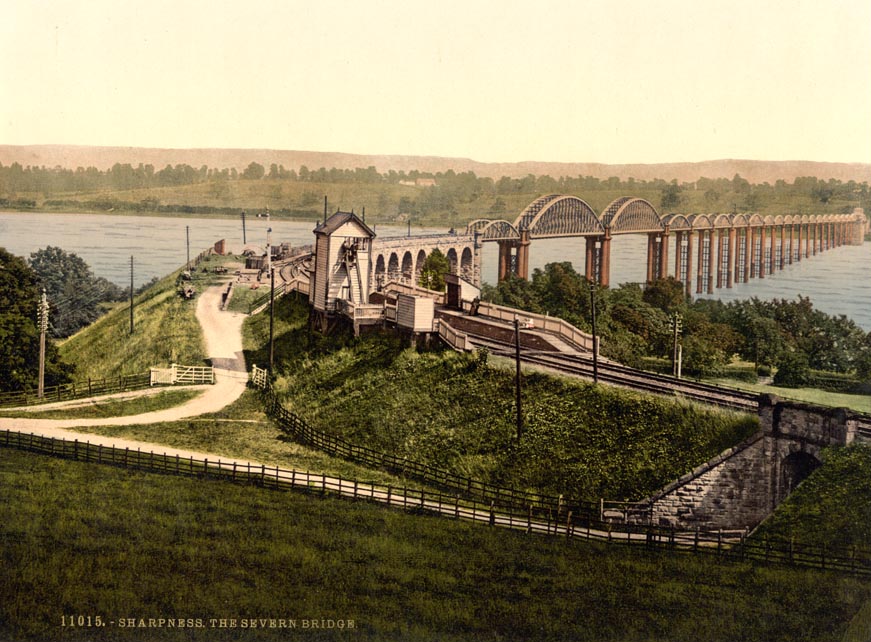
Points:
point(595, 343)
point(187, 230)
point(131, 295)
point(676, 327)
point(517, 378)
point(271, 323)
point(244, 239)
point(43, 327)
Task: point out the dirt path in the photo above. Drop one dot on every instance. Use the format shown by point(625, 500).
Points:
point(223, 338)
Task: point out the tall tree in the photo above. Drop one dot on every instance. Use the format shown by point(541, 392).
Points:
point(435, 267)
point(19, 334)
point(73, 291)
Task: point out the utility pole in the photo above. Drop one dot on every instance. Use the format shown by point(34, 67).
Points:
point(42, 314)
point(517, 378)
point(244, 238)
point(269, 249)
point(187, 229)
point(271, 323)
point(595, 341)
point(131, 295)
point(675, 322)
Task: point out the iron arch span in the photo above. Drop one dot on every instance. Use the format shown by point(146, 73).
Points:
point(710, 250)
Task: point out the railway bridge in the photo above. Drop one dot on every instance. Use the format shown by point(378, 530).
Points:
point(730, 248)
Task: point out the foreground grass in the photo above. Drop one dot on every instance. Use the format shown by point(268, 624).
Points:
point(96, 408)
point(457, 412)
point(243, 431)
point(161, 547)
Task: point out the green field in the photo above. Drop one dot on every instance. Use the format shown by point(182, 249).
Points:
point(453, 201)
point(76, 543)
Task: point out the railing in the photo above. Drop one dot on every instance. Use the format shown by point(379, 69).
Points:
point(77, 390)
point(360, 311)
point(555, 325)
point(262, 302)
point(457, 340)
point(563, 523)
point(413, 290)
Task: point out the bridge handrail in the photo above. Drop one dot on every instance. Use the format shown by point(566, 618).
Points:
point(413, 290)
point(457, 340)
point(434, 235)
point(554, 325)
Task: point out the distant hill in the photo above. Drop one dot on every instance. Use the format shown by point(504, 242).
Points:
point(71, 156)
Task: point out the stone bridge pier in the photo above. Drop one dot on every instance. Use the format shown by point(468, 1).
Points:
point(740, 487)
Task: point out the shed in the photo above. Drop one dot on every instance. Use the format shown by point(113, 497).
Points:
point(459, 290)
point(415, 313)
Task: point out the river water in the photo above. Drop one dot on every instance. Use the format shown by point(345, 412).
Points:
point(837, 281)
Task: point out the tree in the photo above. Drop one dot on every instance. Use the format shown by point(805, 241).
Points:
point(793, 370)
point(74, 293)
point(19, 335)
point(432, 276)
point(254, 171)
point(671, 196)
point(666, 294)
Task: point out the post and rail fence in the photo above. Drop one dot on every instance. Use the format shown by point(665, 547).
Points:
point(175, 375)
point(724, 544)
point(604, 516)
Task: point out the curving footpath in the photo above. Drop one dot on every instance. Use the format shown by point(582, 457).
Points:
point(222, 332)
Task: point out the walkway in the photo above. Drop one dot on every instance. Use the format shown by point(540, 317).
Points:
point(222, 332)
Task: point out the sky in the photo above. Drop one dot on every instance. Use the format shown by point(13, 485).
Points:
point(611, 81)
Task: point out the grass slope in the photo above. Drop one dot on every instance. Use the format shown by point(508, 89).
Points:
point(832, 507)
point(165, 331)
point(163, 547)
point(456, 412)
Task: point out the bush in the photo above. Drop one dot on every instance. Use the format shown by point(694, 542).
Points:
point(793, 371)
point(763, 371)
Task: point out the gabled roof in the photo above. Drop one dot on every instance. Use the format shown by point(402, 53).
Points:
point(338, 219)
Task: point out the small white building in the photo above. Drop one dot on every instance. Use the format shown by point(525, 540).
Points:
point(415, 313)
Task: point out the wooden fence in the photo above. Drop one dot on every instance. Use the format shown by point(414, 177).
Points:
point(294, 426)
point(730, 545)
point(77, 390)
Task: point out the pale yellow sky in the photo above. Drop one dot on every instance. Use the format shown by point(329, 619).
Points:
point(600, 81)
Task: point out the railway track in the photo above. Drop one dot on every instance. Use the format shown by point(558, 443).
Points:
point(616, 374)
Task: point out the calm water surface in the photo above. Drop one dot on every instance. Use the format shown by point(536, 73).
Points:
point(837, 281)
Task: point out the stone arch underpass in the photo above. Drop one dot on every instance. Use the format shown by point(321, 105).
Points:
point(740, 487)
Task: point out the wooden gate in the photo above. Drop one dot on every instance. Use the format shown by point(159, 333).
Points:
point(182, 374)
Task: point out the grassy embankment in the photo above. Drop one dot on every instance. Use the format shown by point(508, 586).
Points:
point(860, 403)
point(165, 331)
point(163, 547)
point(456, 412)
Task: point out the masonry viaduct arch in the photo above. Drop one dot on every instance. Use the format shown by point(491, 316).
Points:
point(401, 258)
point(730, 248)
